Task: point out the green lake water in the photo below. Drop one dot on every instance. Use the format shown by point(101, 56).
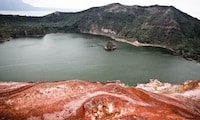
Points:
point(65, 56)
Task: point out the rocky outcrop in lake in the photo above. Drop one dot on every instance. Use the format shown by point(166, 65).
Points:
point(82, 100)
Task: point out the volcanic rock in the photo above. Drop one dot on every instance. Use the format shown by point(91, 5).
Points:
point(83, 100)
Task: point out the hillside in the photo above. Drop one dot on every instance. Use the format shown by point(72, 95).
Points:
point(161, 25)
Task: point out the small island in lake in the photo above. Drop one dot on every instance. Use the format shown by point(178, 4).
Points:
point(110, 46)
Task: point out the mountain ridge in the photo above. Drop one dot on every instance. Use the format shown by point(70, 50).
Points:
point(161, 25)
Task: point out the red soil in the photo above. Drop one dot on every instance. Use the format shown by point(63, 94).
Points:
point(82, 100)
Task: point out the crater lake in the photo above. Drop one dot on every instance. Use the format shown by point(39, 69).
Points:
point(66, 56)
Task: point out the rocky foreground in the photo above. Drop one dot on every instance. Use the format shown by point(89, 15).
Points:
point(82, 100)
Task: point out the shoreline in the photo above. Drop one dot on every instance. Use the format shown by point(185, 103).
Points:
point(134, 43)
point(5, 39)
point(138, 44)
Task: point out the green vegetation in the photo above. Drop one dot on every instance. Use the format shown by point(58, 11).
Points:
point(163, 25)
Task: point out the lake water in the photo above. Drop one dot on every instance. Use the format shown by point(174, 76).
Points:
point(67, 56)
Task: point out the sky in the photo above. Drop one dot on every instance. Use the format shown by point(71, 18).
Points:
point(190, 7)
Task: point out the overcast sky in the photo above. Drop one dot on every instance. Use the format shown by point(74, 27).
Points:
point(189, 6)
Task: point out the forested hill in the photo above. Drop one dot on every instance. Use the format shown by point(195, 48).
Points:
point(163, 25)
